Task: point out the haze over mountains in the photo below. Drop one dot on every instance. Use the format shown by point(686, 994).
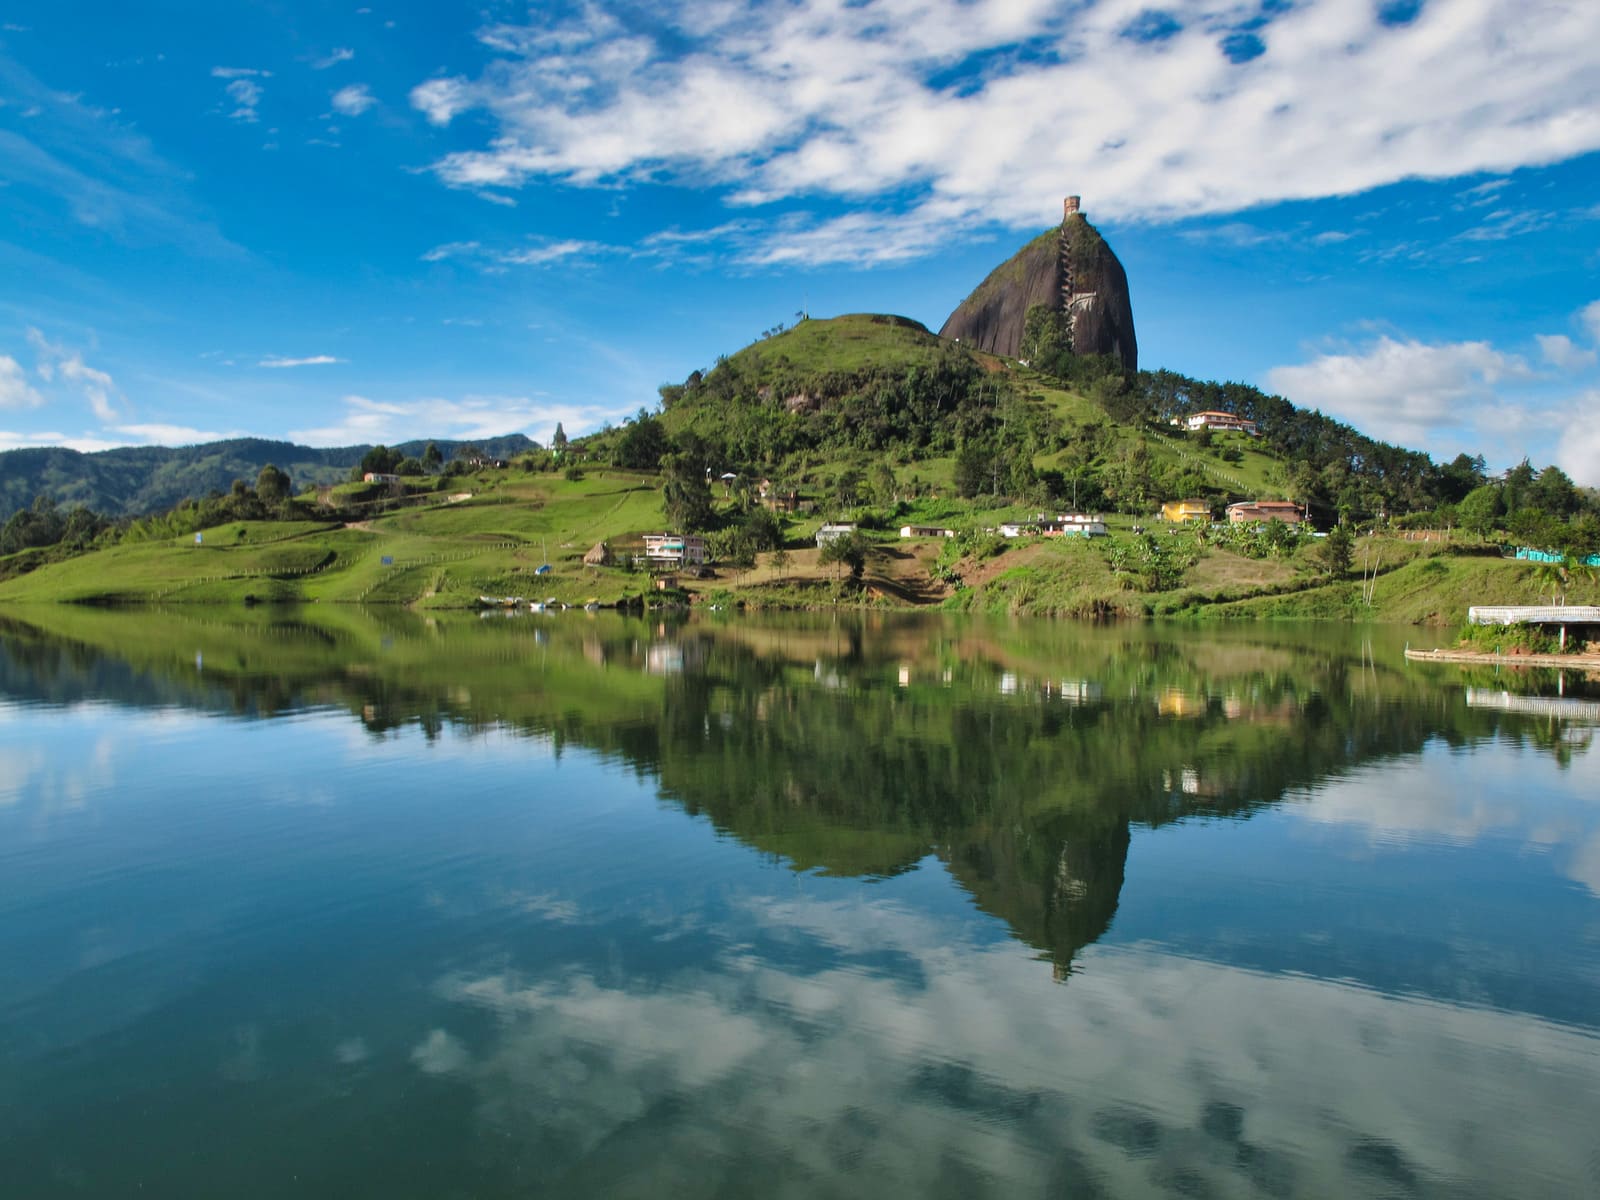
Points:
point(133, 480)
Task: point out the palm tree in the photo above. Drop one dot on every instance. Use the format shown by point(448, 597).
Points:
point(1558, 576)
point(1550, 576)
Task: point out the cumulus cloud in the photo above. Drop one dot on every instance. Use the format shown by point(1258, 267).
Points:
point(339, 55)
point(1452, 396)
point(988, 110)
point(440, 100)
point(1590, 316)
point(15, 391)
point(353, 100)
point(1578, 449)
point(471, 418)
point(1401, 391)
point(1561, 352)
point(315, 360)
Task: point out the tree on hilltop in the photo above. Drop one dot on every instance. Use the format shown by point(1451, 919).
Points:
point(273, 485)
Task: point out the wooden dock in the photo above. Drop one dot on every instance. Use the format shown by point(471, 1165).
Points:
point(1588, 663)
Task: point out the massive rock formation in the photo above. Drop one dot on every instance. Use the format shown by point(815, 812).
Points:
point(1069, 269)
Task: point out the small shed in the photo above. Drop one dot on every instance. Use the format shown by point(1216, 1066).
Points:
point(599, 556)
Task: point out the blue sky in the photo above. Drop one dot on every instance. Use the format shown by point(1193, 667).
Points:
point(368, 222)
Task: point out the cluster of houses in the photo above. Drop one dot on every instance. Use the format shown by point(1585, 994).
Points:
point(1061, 525)
point(1243, 513)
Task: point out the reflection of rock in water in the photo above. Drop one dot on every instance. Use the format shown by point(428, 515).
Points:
point(1059, 903)
point(1088, 884)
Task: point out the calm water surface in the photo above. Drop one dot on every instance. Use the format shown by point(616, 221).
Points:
point(332, 904)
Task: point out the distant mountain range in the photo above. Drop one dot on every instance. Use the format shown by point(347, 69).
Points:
point(133, 480)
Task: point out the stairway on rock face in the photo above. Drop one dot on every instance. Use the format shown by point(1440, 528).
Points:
point(1067, 283)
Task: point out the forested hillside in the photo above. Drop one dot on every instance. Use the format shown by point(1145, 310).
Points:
point(136, 480)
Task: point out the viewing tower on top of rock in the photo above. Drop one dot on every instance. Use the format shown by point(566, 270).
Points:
point(1069, 269)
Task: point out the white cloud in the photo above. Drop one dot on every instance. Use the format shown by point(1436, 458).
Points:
point(170, 435)
point(1453, 396)
point(353, 100)
point(243, 91)
point(15, 391)
point(930, 98)
point(87, 443)
point(246, 96)
point(1508, 223)
point(452, 250)
point(1578, 447)
point(1590, 316)
point(1401, 391)
point(537, 254)
point(471, 418)
point(96, 385)
point(440, 100)
point(316, 360)
point(1560, 351)
point(341, 54)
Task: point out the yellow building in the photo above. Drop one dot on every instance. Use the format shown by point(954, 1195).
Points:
point(1186, 510)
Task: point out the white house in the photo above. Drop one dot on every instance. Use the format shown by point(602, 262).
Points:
point(829, 533)
point(1224, 421)
point(1075, 525)
point(921, 531)
point(674, 549)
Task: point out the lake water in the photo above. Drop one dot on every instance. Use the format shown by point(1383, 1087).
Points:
point(336, 904)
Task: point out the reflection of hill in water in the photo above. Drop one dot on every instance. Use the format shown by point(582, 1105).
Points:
point(1018, 756)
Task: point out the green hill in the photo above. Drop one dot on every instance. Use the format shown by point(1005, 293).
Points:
point(872, 420)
